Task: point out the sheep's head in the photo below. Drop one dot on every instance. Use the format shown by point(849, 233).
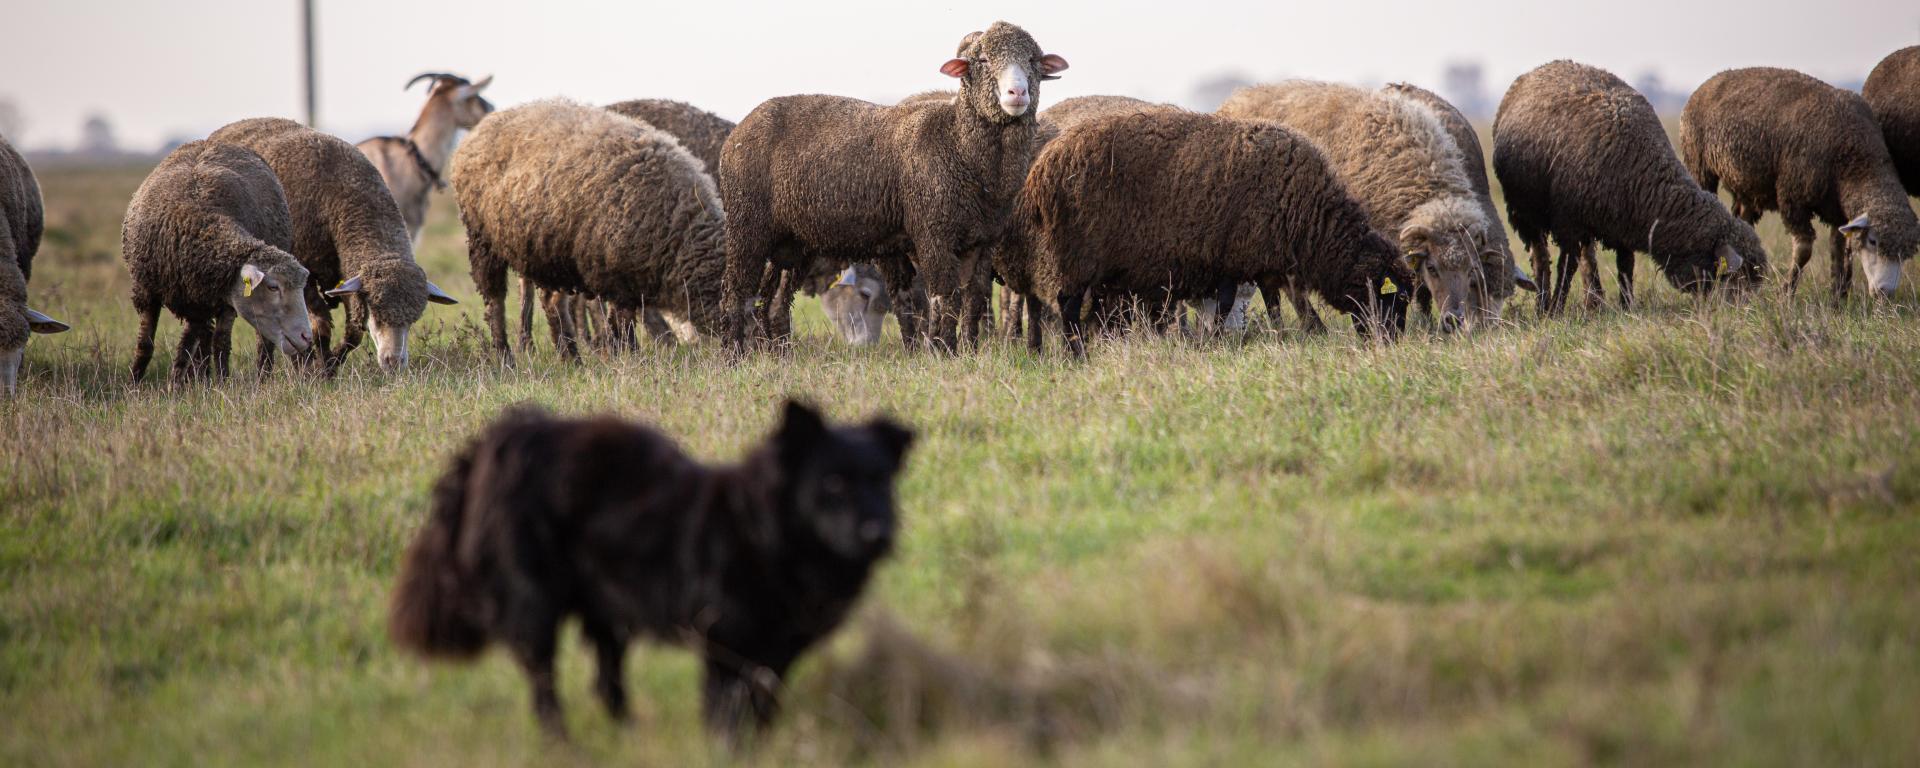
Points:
point(1000, 71)
point(395, 292)
point(460, 95)
point(268, 293)
point(858, 305)
point(1883, 250)
point(17, 322)
point(1377, 289)
point(1446, 245)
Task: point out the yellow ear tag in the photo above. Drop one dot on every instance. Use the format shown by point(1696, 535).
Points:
point(1723, 265)
point(246, 286)
point(1387, 286)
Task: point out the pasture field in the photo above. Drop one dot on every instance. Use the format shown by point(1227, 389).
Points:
point(1686, 535)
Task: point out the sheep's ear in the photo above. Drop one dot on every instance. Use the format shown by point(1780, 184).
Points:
point(954, 68)
point(1524, 280)
point(39, 323)
point(1729, 260)
point(350, 285)
point(1051, 65)
point(1857, 226)
point(437, 296)
point(891, 434)
point(251, 277)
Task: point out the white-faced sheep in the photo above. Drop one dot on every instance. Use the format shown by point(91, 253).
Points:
point(208, 236)
point(828, 177)
point(1582, 158)
point(580, 199)
point(348, 233)
point(21, 221)
point(1475, 158)
point(1780, 140)
point(1394, 156)
point(857, 304)
point(1893, 91)
point(1176, 204)
point(415, 165)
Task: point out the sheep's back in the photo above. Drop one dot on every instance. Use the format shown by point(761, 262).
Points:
point(703, 133)
point(1893, 92)
point(193, 221)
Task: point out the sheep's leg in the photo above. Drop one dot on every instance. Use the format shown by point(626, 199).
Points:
point(780, 307)
point(560, 319)
point(317, 357)
point(908, 298)
point(143, 343)
point(1034, 324)
point(1310, 322)
point(1010, 312)
point(263, 356)
point(1802, 253)
point(528, 298)
point(1542, 274)
point(490, 279)
point(1563, 278)
point(534, 648)
point(190, 359)
point(610, 654)
point(979, 296)
point(1623, 263)
point(1590, 274)
point(657, 327)
point(1070, 332)
point(355, 315)
point(222, 342)
point(1842, 265)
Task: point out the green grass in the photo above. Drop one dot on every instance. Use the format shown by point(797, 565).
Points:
point(1685, 535)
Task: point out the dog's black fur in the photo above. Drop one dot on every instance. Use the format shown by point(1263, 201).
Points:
point(542, 518)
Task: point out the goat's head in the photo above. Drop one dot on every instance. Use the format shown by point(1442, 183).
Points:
point(461, 95)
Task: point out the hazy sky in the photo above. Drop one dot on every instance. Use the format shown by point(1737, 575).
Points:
point(166, 68)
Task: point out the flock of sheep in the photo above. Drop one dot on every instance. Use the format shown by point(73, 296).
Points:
point(658, 215)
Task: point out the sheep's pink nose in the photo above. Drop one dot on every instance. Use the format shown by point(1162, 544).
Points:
point(306, 338)
point(1017, 91)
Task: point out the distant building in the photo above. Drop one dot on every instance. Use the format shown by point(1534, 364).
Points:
point(1464, 84)
point(97, 138)
point(1665, 101)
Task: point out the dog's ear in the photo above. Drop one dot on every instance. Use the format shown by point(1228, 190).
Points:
point(801, 428)
point(896, 438)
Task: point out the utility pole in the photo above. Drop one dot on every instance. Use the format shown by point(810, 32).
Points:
point(312, 93)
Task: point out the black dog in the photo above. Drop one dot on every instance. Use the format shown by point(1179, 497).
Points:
point(541, 518)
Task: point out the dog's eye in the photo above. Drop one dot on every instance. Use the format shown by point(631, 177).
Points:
point(833, 484)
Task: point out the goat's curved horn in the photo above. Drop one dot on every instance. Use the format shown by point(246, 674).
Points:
point(434, 76)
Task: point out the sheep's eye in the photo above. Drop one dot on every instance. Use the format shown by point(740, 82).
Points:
point(275, 287)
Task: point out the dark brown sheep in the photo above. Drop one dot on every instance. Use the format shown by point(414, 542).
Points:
point(580, 199)
point(703, 133)
point(542, 519)
point(1583, 159)
point(208, 236)
point(1174, 204)
point(1783, 141)
point(21, 221)
point(348, 233)
point(809, 177)
point(1893, 91)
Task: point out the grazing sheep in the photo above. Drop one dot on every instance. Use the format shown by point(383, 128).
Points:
point(21, 219)
point(1175, 204)
point(207, 236)
point(814, 176)
point(1395, 157)
point(1583, 159)
point(578, 198)
point(1475, 160)
point(415, 164)
point(857, 304)
point(539, 519)
point(1893, 91)
point(1783, 141)
point(348, 233)
point(703, 133)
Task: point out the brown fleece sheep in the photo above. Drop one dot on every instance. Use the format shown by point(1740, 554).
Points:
point(580, 199)
point(1893, 91)
point(935, 96)
point(1583, 159)
point(703, 133)
point(1783, 141)
point(21, 220)
point(1475, 160)
point(348, 233)
point(1176, 204)
point(809, 177)
point(1394, 156)
point(208, 236)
